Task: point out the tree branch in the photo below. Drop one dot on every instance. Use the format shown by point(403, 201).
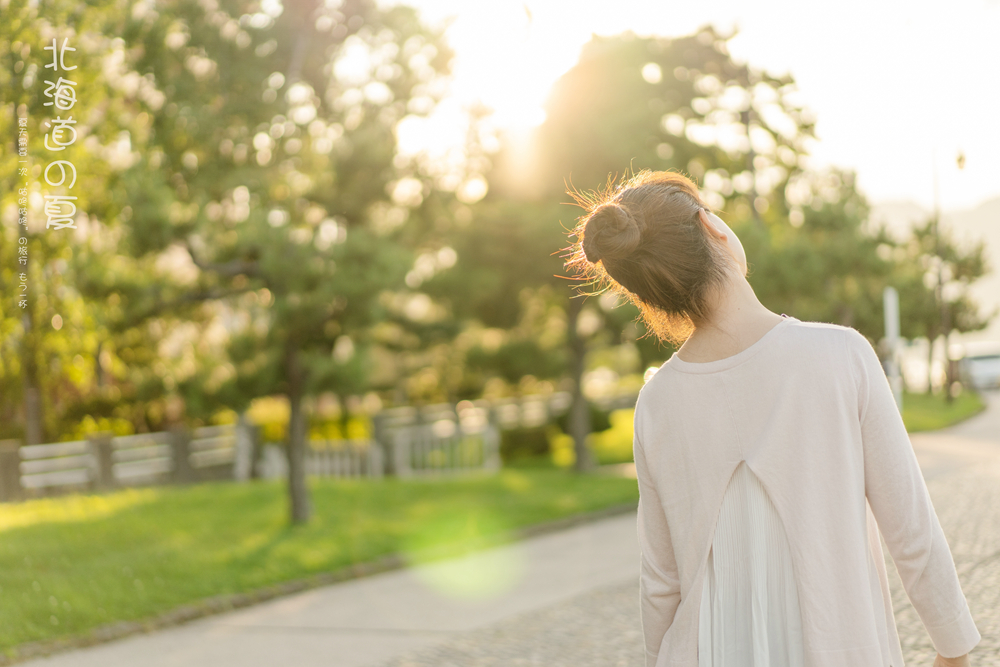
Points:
point(227, 269)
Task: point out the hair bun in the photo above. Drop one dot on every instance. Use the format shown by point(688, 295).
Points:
point(611, 232)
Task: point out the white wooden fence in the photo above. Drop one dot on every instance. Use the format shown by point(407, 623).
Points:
point(408, 441)
point(462, 443)
point(453, 442)
point(104, 461)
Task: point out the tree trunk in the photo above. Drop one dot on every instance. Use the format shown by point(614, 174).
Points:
point(930, 368)
point(579, 417)
point(98, 368)
point(948, 375)
point(298, 492)
point(32, 394)
point(345, 416)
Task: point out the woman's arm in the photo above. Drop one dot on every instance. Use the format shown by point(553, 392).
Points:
point(902, 507)
point(659, 583)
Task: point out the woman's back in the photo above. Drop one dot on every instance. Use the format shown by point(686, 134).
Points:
point(749, 613)
point(808, 410)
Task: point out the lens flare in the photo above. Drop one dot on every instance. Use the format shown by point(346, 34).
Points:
point(449, 555)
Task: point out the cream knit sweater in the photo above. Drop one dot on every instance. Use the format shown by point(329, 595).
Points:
point(810, 410)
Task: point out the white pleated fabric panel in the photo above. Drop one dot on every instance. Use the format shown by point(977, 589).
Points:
point(750, 607)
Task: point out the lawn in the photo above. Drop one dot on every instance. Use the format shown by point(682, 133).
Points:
point(923, 412)
point(72, 563)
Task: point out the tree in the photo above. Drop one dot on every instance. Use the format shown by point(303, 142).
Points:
point(267, 145)
point(50, 353)
point(829, 266)
point(680, 103)
point(948, 271)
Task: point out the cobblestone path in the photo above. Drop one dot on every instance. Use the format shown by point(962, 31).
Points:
point(601, 628)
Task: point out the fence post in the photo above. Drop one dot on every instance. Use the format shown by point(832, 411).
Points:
point(180, 443)
point(383, 439)
point(10, 470)
point(246, 448)
point(376, 461)
point(402, 445)
point(418, 443)
point(256, 451)
point(492, 436)
point(103, 473)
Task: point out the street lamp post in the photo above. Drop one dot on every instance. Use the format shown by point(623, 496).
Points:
point(939, 289)
point(890, 306)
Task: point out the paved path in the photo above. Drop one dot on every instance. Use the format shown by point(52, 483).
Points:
point(569, 598)
point(962, 468)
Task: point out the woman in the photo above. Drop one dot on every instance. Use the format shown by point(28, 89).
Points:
point(770, 454)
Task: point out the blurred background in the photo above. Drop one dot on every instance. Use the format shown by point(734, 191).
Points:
point(310, 307)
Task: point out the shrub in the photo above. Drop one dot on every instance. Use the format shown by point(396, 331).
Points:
point(599, 419)
point(524, 443)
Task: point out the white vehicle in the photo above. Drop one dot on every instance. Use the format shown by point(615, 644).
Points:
point(980, 367)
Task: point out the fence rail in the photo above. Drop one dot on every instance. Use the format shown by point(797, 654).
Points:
point(348, 458)
point(106, 461)
point(446, 444)
point(58, 464)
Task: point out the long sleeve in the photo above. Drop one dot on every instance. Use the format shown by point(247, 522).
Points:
point(902, 508)
point(659, 582)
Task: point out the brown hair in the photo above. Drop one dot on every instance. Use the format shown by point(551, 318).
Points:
point(643, 239)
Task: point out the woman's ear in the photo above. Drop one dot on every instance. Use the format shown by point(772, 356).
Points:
point(710, 225)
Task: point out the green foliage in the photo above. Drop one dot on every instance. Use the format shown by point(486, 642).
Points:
point(936, 255)
point(829, 267)
point(505, 280)
point(927, 412)
point(682, 103)
point(612, 444)
point(53, 343)
point(538, 442)
point(89, 425)
point(257, 182)
point(312, 242)
point(600, 419)
point(517, 358)
point(525, 442)
point(94, 560)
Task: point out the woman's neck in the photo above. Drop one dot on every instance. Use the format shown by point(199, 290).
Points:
point(738, 320)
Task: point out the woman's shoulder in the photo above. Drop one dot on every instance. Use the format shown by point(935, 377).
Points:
point(802, 344)
point(809, 325)
point(818, 333)
point(825, 347)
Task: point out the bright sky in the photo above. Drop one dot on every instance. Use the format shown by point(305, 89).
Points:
point(894, 85)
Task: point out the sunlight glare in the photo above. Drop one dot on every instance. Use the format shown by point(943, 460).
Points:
point(471, 573)
point(508, 54)
point(652, 73)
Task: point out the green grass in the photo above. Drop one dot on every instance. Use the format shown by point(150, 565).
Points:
point(922, 412)
point(72, 563)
